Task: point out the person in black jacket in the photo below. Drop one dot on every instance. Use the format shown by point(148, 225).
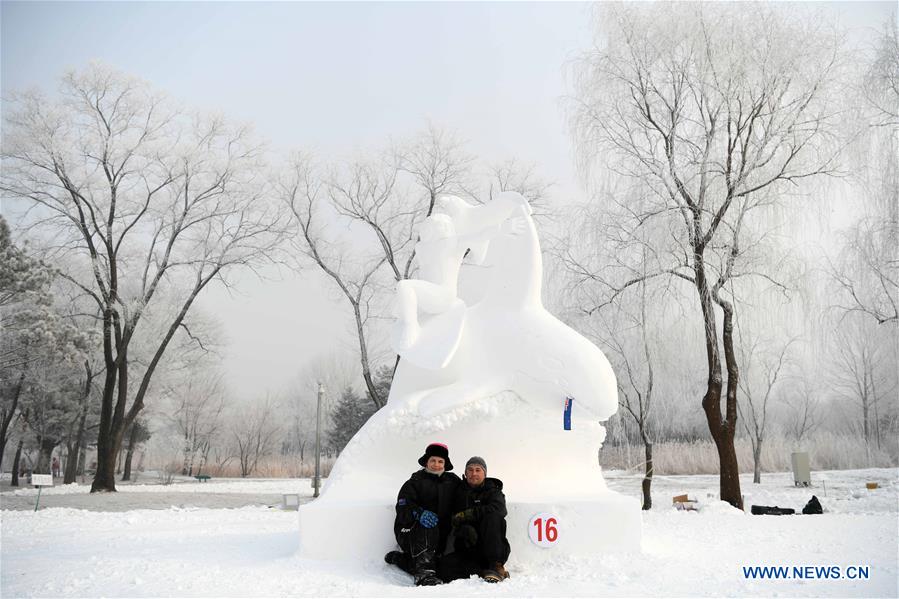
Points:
point(479, 528)
point(424, 516)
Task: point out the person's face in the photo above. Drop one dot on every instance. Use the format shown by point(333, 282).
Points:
point(435, 464)
point(474, 475)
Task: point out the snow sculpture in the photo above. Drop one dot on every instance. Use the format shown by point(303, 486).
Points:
point(487, 370)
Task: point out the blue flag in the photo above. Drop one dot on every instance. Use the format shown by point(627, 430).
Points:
point(566, 415)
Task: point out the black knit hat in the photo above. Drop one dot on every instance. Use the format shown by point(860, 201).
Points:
point(436, 450)
point(476, 460)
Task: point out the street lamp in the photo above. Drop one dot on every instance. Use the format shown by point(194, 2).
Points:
point(317, 482)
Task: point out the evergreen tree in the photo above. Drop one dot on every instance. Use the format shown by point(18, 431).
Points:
point(348, 417)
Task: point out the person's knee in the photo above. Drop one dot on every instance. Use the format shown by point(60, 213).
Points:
point(490, 524)
point(466, 538)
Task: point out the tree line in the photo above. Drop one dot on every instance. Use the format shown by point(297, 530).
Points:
point(737, 257)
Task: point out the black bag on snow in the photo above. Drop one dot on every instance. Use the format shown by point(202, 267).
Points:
point(813, 506)
point(767, 510)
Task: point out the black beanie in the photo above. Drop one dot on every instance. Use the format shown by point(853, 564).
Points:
point(438, 450)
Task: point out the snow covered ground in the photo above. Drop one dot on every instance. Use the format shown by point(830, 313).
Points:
point(193, 549)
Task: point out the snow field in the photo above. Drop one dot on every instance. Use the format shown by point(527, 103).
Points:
point(182, 485)
point(251, 552)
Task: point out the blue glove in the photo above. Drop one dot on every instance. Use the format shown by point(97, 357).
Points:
point(428, 519)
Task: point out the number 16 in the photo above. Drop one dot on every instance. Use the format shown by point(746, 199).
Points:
point(550, 530)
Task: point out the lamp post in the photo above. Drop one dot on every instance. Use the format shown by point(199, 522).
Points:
point(316, 483)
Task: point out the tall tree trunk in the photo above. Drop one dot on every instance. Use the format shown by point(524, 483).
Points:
point(15, 464)
point(204, 456)
point(184, 464)
point(8, 417)
point(104, 477)
point(647, 477)
point(129, 455)
point(757, 461)
point(76, 452)
point(135, 429)
point(730, 470)
point(865, 416)
point(72, 450)
point(45, 453)
point(722, 430)
point(82, 460)
point(113, 422)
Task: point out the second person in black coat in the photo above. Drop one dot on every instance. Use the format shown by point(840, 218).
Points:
point(479, 528)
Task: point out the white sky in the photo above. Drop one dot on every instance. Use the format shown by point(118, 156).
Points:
point(333, 78)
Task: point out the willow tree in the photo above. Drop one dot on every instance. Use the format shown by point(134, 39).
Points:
point(141, 206)
point(719, 111)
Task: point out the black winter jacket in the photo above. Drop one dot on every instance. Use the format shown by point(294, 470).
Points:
point(426, 491)
point(484, 499)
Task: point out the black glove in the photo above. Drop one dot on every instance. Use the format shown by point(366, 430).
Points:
point(466, 537)
point(463, 517)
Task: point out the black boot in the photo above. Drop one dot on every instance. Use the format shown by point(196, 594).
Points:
point(401, 560)
point(426, 578)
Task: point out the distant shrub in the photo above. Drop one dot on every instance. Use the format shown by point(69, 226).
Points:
point(827, 451)
point(277, 466)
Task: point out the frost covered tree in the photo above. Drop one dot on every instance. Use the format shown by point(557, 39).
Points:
point(863, 373)
point(41, 349)
point(22, 276)
point(803, 410)
point(762, 370)
point(138, 200)
point(438, 163)
point(866, 271)
point(636, 386)
point(514, 175)
point(720, 110)
point(254, 431)
point(881, 83)
point(198, 406)
point(301, 188)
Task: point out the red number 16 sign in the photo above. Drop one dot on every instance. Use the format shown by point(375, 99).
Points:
point(543, 529)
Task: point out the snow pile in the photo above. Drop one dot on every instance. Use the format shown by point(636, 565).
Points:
point(488, 372)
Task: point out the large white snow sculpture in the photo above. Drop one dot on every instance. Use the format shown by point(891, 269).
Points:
point(486, 370)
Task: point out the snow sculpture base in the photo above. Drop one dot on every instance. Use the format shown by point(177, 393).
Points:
point(364, 531)
point(543, 468)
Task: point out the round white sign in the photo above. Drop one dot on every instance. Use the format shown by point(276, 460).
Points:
point(543, 529)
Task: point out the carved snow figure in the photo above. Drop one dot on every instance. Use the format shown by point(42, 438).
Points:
point(443, 243)
point(488, 371)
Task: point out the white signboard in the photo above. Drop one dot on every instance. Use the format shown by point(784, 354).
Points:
point(543, 529)
point(42, 480)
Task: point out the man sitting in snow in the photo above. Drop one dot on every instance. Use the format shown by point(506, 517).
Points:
point(424, 516)
point(479, 528)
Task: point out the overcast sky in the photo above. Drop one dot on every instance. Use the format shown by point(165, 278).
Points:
point(330, 77)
